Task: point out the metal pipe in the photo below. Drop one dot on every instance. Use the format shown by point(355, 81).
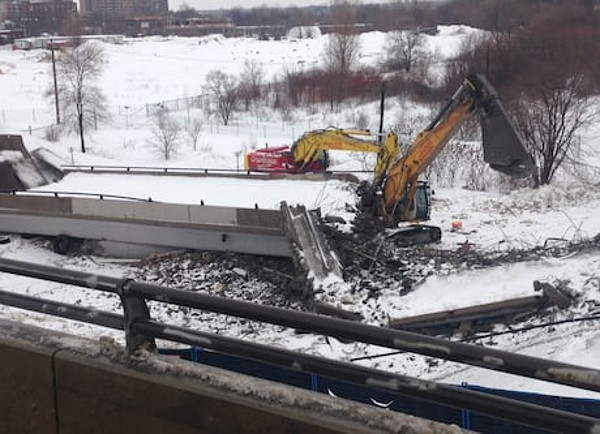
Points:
point(496, 406)
point(63, 310)
point(532, 367)
point(527, 366)
point(381, 110)
point(61, 275)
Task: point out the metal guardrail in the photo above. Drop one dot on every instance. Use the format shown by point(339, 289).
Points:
point(200, 171)
point(58, 194)
point(141, 331)
point(153, 169)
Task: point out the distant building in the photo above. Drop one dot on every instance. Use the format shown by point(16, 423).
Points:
point(9, 31)
point(36, 17)
point(124, 8)
point(117, 16)
point(145, 26)
point(200, 26)
point(32, 18)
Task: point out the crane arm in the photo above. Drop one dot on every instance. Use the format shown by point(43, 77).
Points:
point(311, 145)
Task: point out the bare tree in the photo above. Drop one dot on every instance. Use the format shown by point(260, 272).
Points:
point(549, 124)
point(224, 92)
point(165, 133)
point(545, 74)
point(81, 100)
point(405, 50)
point(251, 82)
point(342, 49)
point(193, 129)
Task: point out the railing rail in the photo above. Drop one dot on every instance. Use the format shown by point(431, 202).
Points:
point(141, 331)
point(193, 170)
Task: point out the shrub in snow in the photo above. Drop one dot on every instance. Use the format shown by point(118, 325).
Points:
point(52, 133)
point(304, 32)
point(165, 134)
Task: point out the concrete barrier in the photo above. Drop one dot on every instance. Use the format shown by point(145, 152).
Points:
point(52, 382)
point(155, 225)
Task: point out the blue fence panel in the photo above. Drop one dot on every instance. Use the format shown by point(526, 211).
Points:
point(245, 366)
point(428, 410)
point(487, 424)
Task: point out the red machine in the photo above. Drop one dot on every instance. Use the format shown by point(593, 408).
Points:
point(281, 160)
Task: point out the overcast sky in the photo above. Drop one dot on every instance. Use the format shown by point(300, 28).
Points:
point(228, 4)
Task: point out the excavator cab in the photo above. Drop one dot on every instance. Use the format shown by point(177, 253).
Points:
point(420, 207)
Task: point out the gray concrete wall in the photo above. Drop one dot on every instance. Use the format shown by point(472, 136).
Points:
point(154, 224)
point(265, 220)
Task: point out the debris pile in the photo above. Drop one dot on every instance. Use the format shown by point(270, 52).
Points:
point(371, 265)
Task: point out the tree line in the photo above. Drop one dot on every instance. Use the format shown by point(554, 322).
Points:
point(540, 55)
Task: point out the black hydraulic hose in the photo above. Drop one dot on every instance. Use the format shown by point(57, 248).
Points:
point(531, 327)
point(490, 335)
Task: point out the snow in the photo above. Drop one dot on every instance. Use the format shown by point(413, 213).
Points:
point(27, 172)
point(145, 72)
point(212, 191)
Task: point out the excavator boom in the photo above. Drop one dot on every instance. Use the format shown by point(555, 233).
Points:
point(310, 152)
point(503, 150)
point(396, 194)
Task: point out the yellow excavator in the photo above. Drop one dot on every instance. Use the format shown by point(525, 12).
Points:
point(313, 144)
point(309, 153)
point(396, 194)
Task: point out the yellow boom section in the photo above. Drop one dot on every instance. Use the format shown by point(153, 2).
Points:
point(310, 146)
point(401, 181)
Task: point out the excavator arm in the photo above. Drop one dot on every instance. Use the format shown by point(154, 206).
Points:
point(312, 144)
point(503, 150)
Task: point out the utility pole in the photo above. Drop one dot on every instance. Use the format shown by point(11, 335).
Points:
point(381, 110)
point(55, 83)
point(80, 115)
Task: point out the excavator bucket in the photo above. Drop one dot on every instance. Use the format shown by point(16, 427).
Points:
point(503, 147)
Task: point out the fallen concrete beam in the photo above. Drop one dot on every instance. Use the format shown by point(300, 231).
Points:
point(467, 314)
point(153, 224)
point(550, 296)
point(312, 255)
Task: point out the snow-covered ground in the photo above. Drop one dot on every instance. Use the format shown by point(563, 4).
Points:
point(145, 72)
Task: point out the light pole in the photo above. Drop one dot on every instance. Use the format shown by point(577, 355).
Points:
point(55, 82)
point(80, 115)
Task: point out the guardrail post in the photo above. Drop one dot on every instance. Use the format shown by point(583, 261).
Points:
point(135, 310)
point(314, 382)
point(465, 413)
